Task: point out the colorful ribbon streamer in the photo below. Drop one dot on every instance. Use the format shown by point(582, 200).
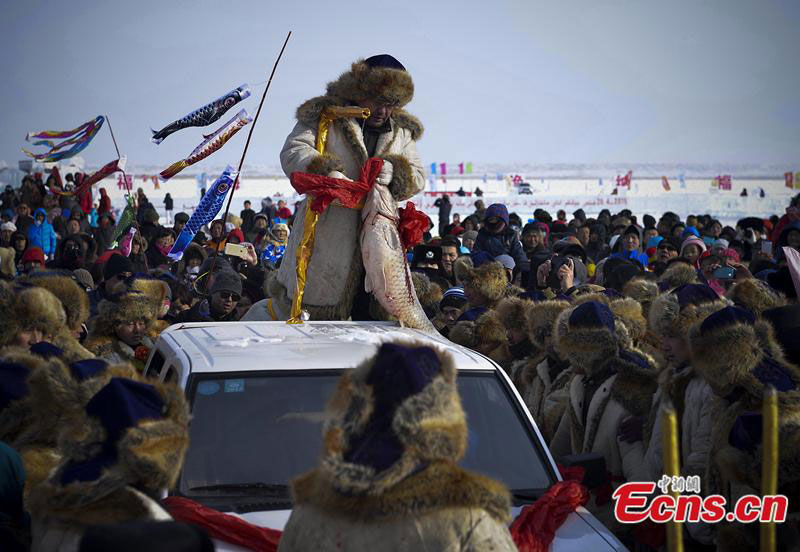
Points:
point(126, 219)
point(76, 141)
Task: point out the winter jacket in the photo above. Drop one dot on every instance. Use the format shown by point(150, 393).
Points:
point(440, 508)
point(627, 392)
point(201, 312)
point(335, 270)
point(42, 235)
point(504, 243)
point(168, 203)
point(547, 399)
point(57, 535)
point(105, 202)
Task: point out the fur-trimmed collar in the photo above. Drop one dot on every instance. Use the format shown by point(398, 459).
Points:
point(309, 112)
point(441, 485)
point(124, 504)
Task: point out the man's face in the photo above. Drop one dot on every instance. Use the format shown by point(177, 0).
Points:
point(260, 223)
point(666, 252)
point(280, 234)
point(450, 315)
point(26, 338)
point(630, 242)
point(456, 218)
point(516, 335)
point(223, 302)
point(675, 350)
point(20, 243)
point(165, 241)
point(449, 256)
point(531, 240)
point(6, 235)
point(583, 235)
point(73, 227)
point(281, 204)
point(495, 225)
point(216, 231)
point(378, 113)
point(131, 332)
point(469, 243)
point(246, 204)
point(23, 211)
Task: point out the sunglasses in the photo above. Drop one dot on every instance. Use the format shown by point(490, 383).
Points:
point(225, 295)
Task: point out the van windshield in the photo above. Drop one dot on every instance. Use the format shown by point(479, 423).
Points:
point(252, 433)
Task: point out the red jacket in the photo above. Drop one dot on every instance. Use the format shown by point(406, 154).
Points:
point(105, 202)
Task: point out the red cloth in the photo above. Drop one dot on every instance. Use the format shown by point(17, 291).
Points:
point(105, 202)
point(412, 225)
point(325, 189)
point(536, 526)
point(283, 213)
point(225, 527)
point(236, 233)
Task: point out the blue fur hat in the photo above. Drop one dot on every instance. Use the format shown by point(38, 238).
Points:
point(592, 314)
point(13, 382)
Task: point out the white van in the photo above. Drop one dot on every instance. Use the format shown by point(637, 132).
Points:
point(257, 391)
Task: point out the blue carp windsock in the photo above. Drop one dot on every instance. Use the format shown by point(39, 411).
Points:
point(204, 116)
point(208, 208)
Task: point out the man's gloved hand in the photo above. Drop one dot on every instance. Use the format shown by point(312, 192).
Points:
point(386, 174)
point(338, 174)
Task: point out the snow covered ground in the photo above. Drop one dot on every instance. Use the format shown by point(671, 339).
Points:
point(646, 195)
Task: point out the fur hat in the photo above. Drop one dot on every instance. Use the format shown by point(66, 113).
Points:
point(131, 433)
point(673, 313)
point(677, 274)
point(586, 334)
point(462, 267)
point(541, 318)
point(120, 307)
point(732, 349)
point(394, 411)
point(155, 289)
point(73, 298)
point(7, 267)
point(642, 290)
point(511, 312)
point(29, 308)
point(489, 280)
point(368, 81)
point(755, 295)
point(486, 334)
point(16, 410)
point(428, 293)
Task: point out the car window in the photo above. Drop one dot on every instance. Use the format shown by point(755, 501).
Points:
point(265, 428)
point(154, 367)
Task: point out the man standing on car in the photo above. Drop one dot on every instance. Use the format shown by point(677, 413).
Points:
point(335, 271)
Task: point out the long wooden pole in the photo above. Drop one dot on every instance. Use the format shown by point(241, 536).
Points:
point(769, 463)
point(669, 430)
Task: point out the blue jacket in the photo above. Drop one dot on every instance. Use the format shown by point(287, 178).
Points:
point(42, 235)
point(634, 255)
point(504, 243)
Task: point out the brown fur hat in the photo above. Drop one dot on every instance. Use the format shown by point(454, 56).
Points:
point(677, 275)
point(428, 293)
point(462, 267)
point(755, 296)
point(72, 296)
point(17, 414)
point(121, 307)
point(731, 348)
point(7, 267)
point(364, 83)
point(486, 334)
point(586, 344)
point(489, 280)
point(429, 424)
point(511, 312)
point(541, 318)
point(669, 319)
point(631, 325)
point(29, 308)
point(149, 456)
point(642, 290)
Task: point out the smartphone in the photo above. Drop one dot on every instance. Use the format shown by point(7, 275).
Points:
point(725, 273)
point(236, 250)
point(766, 247)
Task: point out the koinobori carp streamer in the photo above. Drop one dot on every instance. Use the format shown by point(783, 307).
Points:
point(212, 143)
point(75, 141)
point(204, 116)
point(207, 209)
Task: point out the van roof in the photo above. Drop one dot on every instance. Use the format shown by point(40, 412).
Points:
point(242, 346)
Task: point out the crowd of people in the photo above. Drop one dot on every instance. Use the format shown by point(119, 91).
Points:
point(598, 322)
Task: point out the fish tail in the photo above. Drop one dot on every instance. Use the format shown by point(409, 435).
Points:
point(155, 139)
point(173, 169)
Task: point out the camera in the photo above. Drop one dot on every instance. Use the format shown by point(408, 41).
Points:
point(556, 262)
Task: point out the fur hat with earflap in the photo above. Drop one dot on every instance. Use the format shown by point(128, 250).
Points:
point(28, 308)
point(586, 335)
point(673, 313)
point(394, 433)
point(755, 295)
point(489, 281)
point(128, 444)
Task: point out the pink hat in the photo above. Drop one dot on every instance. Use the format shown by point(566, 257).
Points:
point(693, 240)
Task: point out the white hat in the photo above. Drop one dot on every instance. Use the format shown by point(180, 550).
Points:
point(8, 226)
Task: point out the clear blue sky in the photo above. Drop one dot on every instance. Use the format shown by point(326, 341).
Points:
point(496, 82)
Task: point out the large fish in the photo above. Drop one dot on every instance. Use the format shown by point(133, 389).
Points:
point(212, 143)
point(207, 209)
point(388, 275)
point(204, 116)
